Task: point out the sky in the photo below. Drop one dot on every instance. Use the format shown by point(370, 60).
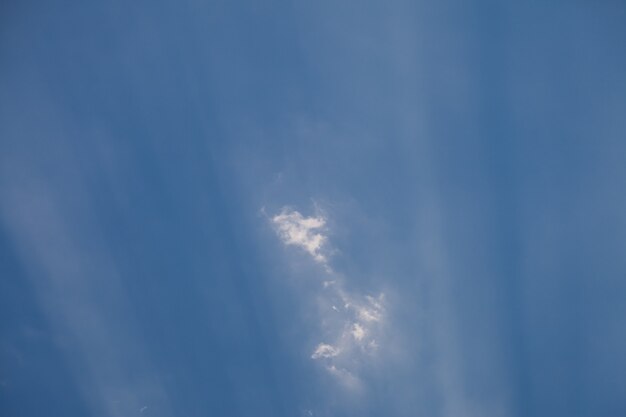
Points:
point(313, 208)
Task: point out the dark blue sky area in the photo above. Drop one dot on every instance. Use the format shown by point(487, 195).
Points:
point(313, 208)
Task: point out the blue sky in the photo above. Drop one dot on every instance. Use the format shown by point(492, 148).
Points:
point(246, 208)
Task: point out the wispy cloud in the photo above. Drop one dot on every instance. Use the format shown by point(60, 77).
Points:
point(304, 232)
point(324, 350)
point(358, 332)
point(351, 321)
point(347, 378)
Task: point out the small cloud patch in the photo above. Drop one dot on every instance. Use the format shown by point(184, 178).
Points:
point(324, 350)
point(304, 232)
point(358, 332)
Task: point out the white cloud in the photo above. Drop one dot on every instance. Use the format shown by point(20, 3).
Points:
point(324, 350)
point(358, 332)
point(353, 318)
point(304, 232)
point(373, 311)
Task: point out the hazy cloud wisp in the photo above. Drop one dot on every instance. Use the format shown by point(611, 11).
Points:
point(350, 319)
point(304, 232)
